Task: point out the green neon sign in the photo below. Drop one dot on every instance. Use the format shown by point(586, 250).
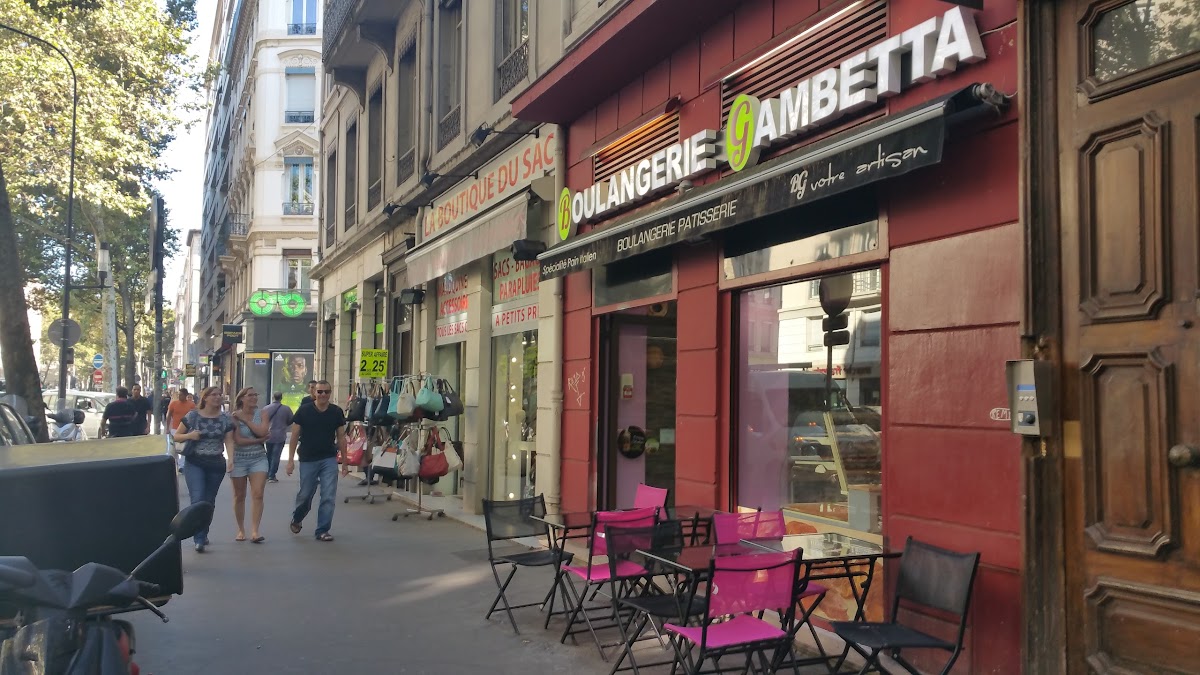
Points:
point(290, 303)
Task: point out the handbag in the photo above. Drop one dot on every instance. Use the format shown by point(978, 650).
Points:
point(434, 465)
point(452, 405)
point(356, 410)
point(429, 399)
point(452, 449)
point(355, 448)
point(408, 463)
point(401, 402)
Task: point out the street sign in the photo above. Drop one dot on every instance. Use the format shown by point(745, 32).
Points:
point(837, 337)
point(98, 361)
point(98, 376)
point(68, 326)
point(189, 370)
point(373, 363)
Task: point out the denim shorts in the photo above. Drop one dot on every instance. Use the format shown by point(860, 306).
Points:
point(245, 465)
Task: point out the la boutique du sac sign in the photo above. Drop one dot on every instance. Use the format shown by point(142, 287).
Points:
point(499, 179)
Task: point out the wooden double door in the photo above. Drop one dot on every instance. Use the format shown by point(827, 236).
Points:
point(1128, 82)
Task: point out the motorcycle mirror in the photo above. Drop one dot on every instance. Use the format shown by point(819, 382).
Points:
point(191, 520)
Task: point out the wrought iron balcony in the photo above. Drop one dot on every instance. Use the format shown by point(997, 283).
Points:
point(449, 127)
point(302, 29)
point(238, 225)
point(330, 234)
point(297, 208)
point(513, 70)
point(406, 166)
point(337, 16)
point(298, 117)
point(374, 194)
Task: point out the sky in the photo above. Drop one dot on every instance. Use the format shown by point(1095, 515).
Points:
point(183, 191)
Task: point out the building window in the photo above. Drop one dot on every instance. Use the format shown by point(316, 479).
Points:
point(375, 149)
point(449, 64)
point(298, 174)
point(512, 44)
point(301, 96)
point(351, 190)
point(298, 273)
point(304, 18)
point(331, 199)
point(515, 420)
point(406, 116)
point(808, 443)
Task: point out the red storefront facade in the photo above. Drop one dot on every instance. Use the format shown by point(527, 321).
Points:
point(727, 327)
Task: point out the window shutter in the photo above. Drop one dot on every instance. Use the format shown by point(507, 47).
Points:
point(637, 145)
point(301, 92)
point(828, 47)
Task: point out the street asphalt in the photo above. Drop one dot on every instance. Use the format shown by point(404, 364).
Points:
point(384, 597)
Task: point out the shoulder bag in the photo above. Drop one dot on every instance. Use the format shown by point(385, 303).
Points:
point(429, 399)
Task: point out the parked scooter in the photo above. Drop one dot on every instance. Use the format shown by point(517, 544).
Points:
point(68, 426)
point(64, 624)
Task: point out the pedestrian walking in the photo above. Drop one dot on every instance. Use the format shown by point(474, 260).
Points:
point(209, 455)
point(307, 400)
point(143, 406)
point(120, 418)
point(281, 419)
point(252, 426)
point(320, 431)
point(176, 410)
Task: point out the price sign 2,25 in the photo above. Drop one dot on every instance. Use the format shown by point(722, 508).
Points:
point(373, 363)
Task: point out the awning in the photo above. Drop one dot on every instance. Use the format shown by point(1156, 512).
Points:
point(474, 239)
point(883, 149)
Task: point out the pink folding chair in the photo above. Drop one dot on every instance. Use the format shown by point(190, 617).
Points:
point(741, 588)
point(649, 497)
point(731, 528)
point(595, 574)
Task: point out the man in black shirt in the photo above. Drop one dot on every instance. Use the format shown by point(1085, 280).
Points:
point(121, 417)
point(320, 430)
point(143, 406)
point(308, 399)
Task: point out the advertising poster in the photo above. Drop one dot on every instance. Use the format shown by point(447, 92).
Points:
point(290, 373)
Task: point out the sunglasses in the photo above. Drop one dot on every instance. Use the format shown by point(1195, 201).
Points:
point(323, 391)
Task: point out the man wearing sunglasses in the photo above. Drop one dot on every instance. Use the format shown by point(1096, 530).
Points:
point(320, 430)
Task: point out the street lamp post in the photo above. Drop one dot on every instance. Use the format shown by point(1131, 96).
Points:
point(66, 292)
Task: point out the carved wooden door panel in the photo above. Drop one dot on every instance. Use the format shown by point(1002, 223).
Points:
point(1129, 149)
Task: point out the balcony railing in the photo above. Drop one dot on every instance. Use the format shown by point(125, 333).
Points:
point(239, 225)
point(297, 208)
point(330, 234)
point(449, 127)
point(513, 70)
point(406, 166)
point(298, 117)
point(337, 15)
point(351, 216)
point(374, 194)
point(302, 29)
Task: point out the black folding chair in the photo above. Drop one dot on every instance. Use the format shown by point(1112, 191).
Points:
point(509, 520)
point(930, 577)
point(640, 598)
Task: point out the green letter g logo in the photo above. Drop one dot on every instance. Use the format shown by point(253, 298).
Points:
point(564, 214)
point(739, 132)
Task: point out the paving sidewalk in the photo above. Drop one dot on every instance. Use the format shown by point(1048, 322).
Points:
point(404, 596)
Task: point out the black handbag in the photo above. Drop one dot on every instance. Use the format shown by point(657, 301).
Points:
point(452, 402)
point(356, 409)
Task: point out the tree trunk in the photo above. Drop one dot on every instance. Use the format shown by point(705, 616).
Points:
point(111, 361)
point(16, 344)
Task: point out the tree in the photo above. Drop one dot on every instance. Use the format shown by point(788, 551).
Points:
point(131, 62)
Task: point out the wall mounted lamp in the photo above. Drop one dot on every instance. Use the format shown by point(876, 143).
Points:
point(527, 249)
point(430, 176)
point(412, 296)
point(405, 210)
point(480, 135)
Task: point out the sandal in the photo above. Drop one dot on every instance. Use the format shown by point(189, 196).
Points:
point(258, 540)
point(240, 537)
point(295, 528)
point(324, 536)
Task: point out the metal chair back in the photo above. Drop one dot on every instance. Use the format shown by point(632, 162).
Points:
point(937, 578)
point(648, 496)
point(730, 528)
point(605, 519)
point(512, 519)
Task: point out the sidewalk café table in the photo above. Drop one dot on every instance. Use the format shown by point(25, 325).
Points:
point(829, 555)
point(696, 517)
point(564, 527)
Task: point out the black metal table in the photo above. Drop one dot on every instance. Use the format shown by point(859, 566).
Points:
point(563, 528)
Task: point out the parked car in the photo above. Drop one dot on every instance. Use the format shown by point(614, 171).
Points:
point(13, 429)
point(92, 404)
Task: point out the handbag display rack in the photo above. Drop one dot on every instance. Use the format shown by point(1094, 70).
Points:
point(366, 399)
point(416, 435)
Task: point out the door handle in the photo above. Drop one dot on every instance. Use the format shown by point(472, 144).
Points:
point(1181, 456)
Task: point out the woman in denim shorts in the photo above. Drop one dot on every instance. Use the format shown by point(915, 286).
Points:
point(249, 461)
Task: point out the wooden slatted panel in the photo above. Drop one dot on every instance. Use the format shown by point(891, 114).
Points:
point(823, 49)
point(635, 146)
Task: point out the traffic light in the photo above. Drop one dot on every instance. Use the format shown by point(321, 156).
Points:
point(69, 355)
